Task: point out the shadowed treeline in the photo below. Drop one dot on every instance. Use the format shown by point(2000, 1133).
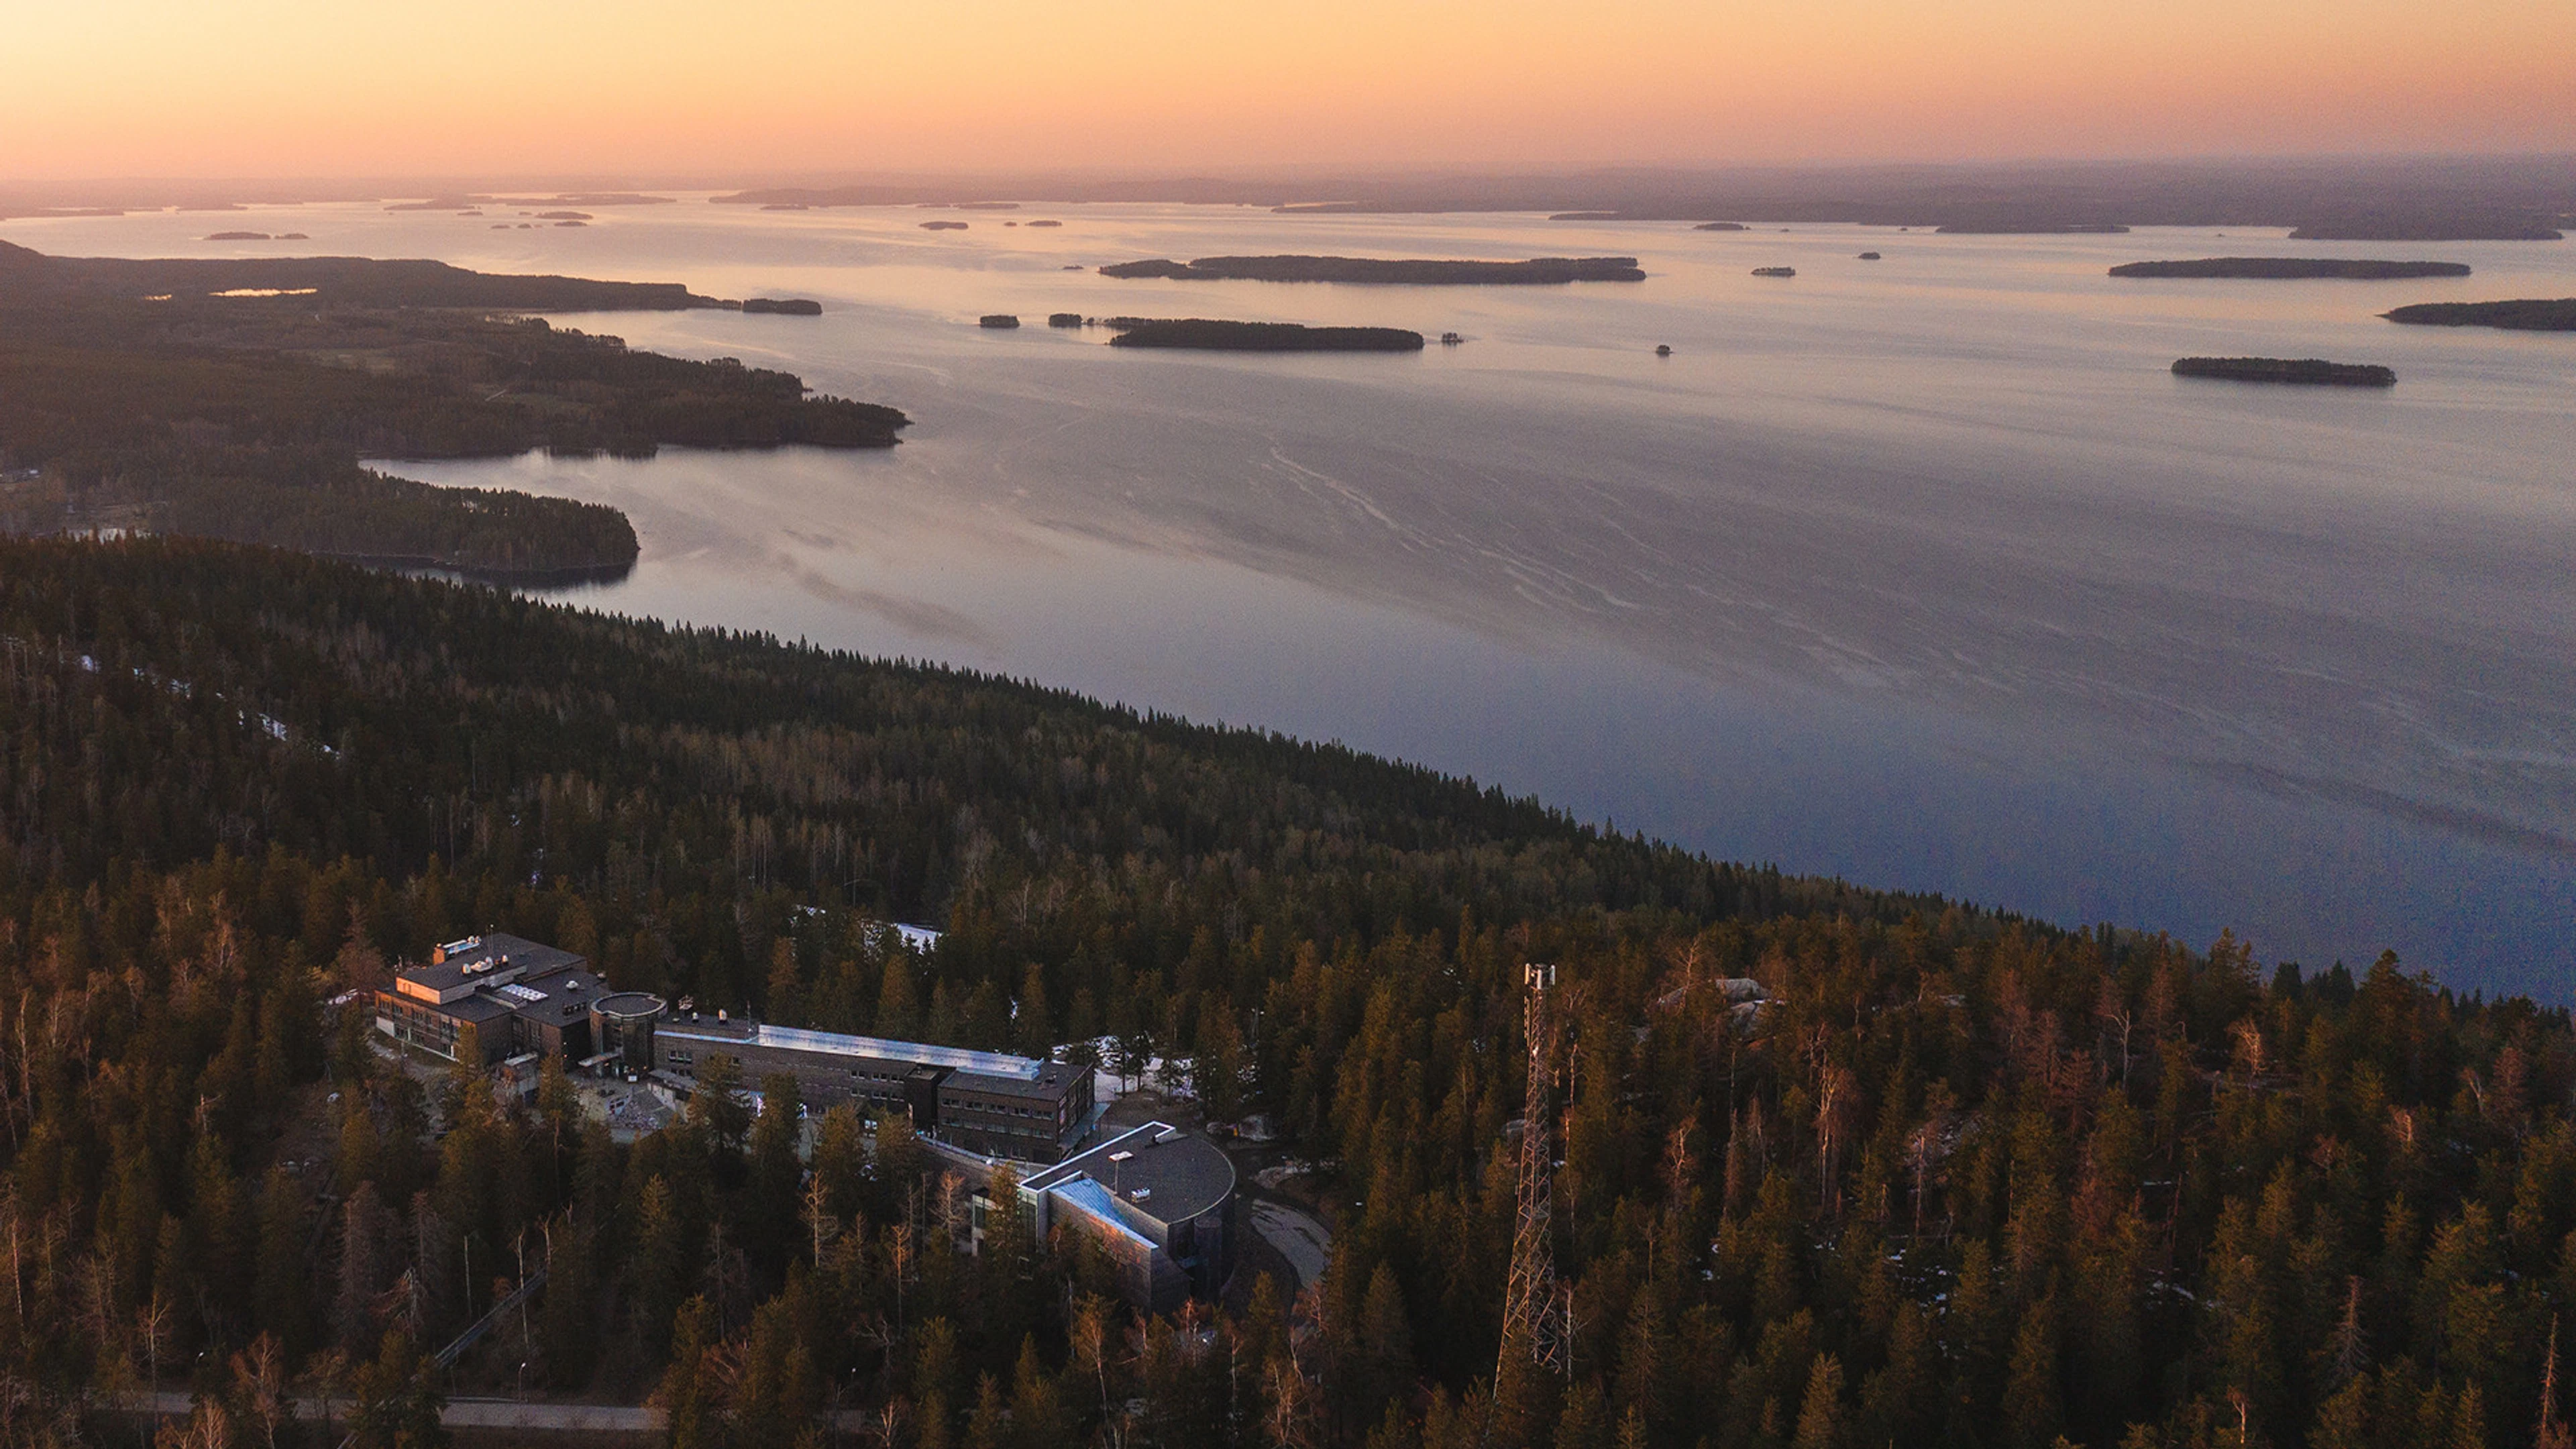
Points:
point(1840, 1168)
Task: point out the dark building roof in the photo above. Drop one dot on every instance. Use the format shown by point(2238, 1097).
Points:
point(488, 958)
point(558, 998)
point(478, 1007)
point(1157, 1169)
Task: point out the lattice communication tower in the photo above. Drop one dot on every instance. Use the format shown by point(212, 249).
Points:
point(1537, 1310)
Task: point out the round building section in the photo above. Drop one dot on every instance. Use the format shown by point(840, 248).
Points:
point(622, 1026)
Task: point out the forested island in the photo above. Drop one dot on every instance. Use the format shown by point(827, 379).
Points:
point(1837, 1167)
point(2524, 315)
point(784, 306)
point(235, 399)
point(2305, 370)
point(1537, 271)
point(1199, 332)
point(2293, 269)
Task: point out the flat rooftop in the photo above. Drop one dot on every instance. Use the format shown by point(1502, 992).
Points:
point(557, 996)
point(1000, 1065)
point(477, 959)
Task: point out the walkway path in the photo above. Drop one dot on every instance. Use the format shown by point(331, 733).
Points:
point(1299, 1235)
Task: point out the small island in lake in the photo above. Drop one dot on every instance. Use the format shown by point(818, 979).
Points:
point(785, 306)
point(2529, 314)
point(1869, 256)
point(998, 321)
point(1540, 271)
point(1719, 226)
point(1046, 223)
point(2306, 370)
point(943, 226)
point(1064, 319)
point(1200, 332)
point(1775, 271)
point(563, 216)
point(239, 236)
point(2282, 269)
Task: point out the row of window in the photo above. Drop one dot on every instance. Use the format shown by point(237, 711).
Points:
point(1000, 1111)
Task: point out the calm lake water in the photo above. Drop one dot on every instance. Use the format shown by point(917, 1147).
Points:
point(1921, 571)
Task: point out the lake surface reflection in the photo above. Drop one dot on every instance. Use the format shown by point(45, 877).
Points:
point(1921, 571)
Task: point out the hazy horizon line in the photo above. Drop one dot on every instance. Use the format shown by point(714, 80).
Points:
point(407, 183)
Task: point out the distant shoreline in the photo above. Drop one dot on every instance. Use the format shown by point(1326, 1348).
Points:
point(2276, 269)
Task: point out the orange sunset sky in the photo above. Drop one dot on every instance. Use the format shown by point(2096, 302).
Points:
point(177, 88)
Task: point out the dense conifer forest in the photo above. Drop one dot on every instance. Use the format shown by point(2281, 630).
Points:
point(235, 399)
point(1840, 1168)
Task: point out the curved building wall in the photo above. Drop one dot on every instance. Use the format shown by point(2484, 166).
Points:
point(623, 1025)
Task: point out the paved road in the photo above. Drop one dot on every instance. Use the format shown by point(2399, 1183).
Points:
point(480, 1414)
point(1299, 1235)
point(460, 1413)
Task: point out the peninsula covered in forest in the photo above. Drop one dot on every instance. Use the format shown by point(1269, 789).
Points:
point(2529, 314)
point(2310, 370)
point(236, 400)
point(2275, 269)
point(1199, 332)
point(1537, 271)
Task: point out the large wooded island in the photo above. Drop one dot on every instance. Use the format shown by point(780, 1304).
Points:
point(2282, 269)
point(2529, 314)
point(1537, 271)
point(2311, 371)
point(1199, 332)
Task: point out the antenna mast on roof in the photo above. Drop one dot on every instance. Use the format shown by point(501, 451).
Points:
point(1537, 1311)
